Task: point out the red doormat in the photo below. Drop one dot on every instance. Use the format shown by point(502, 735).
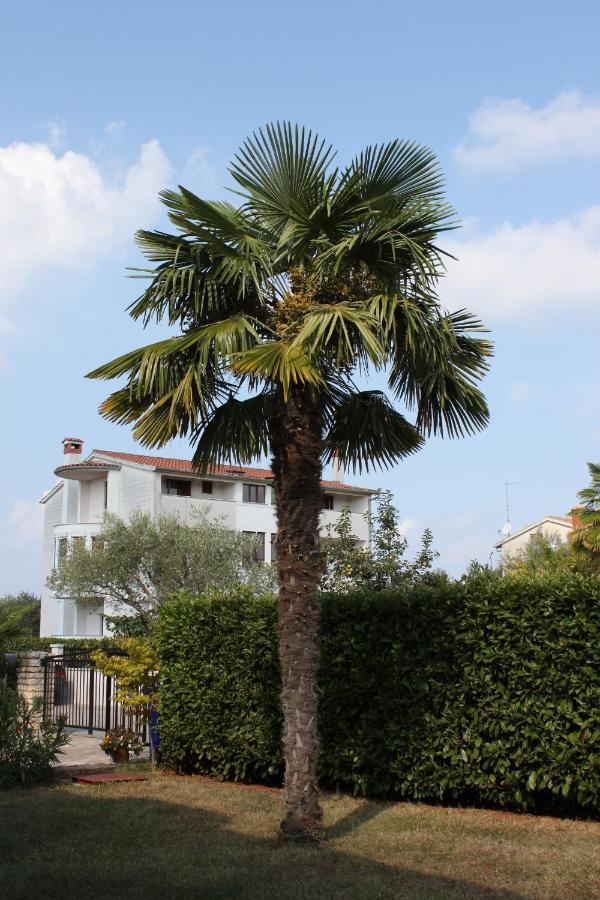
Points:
point(109, 776)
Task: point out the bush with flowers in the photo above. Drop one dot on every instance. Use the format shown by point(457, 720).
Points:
point(121, 739)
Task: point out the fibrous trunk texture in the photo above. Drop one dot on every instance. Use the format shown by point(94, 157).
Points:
point(297, 447)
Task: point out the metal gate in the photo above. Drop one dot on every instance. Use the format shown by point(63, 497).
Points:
point(83, 697)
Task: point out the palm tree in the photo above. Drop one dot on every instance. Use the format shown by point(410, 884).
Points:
point(318, 276)
point(587, 535)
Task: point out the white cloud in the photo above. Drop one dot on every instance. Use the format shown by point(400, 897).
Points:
point(519, 392)
point(524, 272)
point(198, 174)
point(56, 131)
point(61, 211)
point(116, 127)
point(508, 135)
point(405, 526)
point(25, 522)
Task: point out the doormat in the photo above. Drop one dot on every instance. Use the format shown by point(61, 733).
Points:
point(108, 777)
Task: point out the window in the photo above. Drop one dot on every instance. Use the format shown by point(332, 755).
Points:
point(254, 493)
point(178, 487)
point(78, 543)
point(327, 501)
point(207, 487)
point(62, 546)
point(273, 548)
point(258, 554)
point(105, 494)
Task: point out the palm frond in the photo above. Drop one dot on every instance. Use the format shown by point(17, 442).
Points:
point(279, 363)
point(283, 172)
point(365, 430)
point(236, 432)
point(437, 374)
point(397, 244)
point(587, 534)
point(215, 343)
point(347, 330)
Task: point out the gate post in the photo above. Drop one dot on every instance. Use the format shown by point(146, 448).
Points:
point(107, 699)
point(30, 674)
point(91, 699)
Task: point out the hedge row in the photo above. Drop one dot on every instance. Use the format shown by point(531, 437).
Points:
point(14, 645)
point(486, 692)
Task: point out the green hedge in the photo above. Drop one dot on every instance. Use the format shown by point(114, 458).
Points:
point(486, 692)
point(37, 643)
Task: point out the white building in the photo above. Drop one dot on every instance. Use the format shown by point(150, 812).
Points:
point(557, 527)
point(119, 483)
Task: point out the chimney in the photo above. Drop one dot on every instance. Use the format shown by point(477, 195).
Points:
point(337, 469)
point(72, 449)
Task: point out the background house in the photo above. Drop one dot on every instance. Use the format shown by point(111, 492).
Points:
point(550, 526)
point(109, 481)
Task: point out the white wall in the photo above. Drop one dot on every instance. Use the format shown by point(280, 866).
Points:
point(187, 507)
point(516, 545)
point(360, 526)
point(78, 508)
point(51, 611)
point(136, 491)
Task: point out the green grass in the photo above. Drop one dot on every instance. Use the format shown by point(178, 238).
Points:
point(192, 838)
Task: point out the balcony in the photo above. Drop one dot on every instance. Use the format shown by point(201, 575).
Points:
point(78, 529)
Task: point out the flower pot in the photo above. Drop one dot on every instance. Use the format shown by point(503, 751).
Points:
point(121, 755)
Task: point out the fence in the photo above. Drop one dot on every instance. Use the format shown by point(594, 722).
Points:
point(78, 693)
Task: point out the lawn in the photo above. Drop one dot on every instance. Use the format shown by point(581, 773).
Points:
point(190, 837)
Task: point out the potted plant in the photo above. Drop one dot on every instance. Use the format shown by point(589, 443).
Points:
point(120, 743)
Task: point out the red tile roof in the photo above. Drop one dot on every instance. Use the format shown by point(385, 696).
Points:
point(184, 465)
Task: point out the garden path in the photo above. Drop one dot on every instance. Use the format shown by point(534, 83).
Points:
point(83, 751)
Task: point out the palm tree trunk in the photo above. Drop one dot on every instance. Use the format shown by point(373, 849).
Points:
point(296, 441)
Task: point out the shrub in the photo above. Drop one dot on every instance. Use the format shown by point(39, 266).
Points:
point(485, 691)
point(219, 709)
point(121, 739)
point(135, 671)
point(26, 748)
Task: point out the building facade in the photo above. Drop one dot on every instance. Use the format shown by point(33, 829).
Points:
point(107, 481)
point(555, 527)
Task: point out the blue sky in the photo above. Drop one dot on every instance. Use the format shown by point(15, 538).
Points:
point(104, 106)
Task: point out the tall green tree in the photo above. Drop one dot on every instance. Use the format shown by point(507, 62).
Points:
point(587, 536)
point(382, 565)
point(318, 275)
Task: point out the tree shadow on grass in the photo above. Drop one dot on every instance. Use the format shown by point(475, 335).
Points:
point(368, 811)
point(57, 844)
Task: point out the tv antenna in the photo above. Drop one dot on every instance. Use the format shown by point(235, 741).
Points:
point(507, 527)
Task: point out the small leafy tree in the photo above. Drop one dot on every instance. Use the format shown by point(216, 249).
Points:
point(136, 674)
point(382, 565)
point(138, 564)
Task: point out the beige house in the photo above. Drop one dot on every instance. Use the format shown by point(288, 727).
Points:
point(550, 526)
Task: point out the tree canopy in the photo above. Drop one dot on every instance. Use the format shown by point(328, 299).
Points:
point(138, 564)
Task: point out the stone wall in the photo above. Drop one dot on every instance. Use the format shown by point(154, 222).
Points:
point(30, 674)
